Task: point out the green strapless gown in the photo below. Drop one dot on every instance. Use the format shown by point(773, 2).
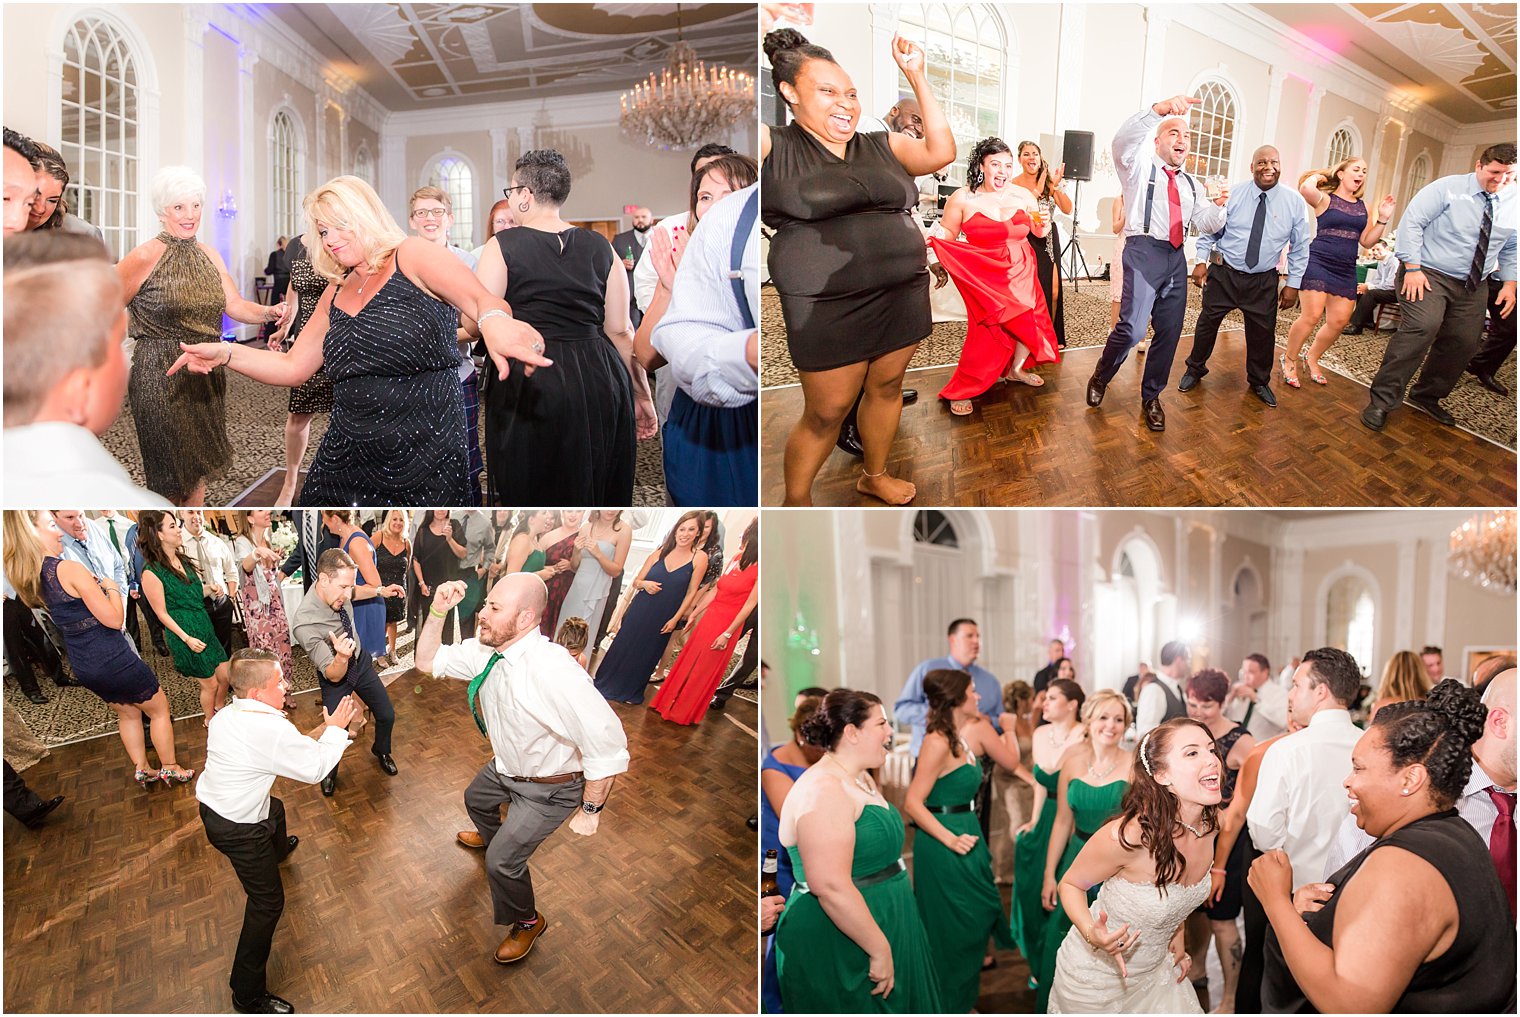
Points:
point(957, 897)
point(1091, 807)
point(1029, 873)
point(184, 599)
point(821, 970)
point(536, 560)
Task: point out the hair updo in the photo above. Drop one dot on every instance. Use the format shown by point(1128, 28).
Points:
point(981, 150)
point(839, 710)
point(946, 689)
point(1438, 734)
point(788, 49)
point(1068, 688)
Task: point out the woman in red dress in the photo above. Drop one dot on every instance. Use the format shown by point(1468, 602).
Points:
point(703, 662)
point(1008, 327)
point(558, 546)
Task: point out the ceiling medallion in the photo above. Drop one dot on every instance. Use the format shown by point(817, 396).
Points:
point(689, 104)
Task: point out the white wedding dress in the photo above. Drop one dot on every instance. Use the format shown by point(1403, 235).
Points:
point(1087, 980)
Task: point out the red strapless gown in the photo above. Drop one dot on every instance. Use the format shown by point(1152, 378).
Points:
point(699, 668)
point(995, 272)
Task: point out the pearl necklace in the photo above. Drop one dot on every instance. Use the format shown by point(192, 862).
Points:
point(1092, 769)
point(1190, 828)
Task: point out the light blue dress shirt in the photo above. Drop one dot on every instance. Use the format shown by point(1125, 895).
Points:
point(1439, 229)
point(1382, 275)
point(702, 335)
point(912, 707)
point(1287, 226)
point(97, 555)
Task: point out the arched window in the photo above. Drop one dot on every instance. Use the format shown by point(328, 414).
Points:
point(452, 175)
point(1419, 176)
point(931, 527)
point(963, 44)
point(1212, 124)
point(285, 173)
point(364, 166)
point(100, 138)
point(1342, 146)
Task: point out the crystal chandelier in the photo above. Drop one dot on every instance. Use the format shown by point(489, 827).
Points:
point(1483, 551)
point(689, 104)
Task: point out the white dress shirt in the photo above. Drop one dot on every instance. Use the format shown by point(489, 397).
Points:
point(1269, 718)
point(63, 464)
point(703, 336)
point(212, 559)
point(1152, 705)
point(1475, 806)
point(1134, 155)
point(248, 745)
point(543, 714)
point(1300, 802)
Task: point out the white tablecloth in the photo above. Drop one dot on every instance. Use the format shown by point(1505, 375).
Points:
point(292, 594)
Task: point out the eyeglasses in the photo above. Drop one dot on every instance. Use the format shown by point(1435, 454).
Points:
point(506, 192)
point(429, 213)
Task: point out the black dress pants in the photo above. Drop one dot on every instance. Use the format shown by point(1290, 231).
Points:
point(1253, 956)
point(221, 621)
point(255, 851)
point(1255, 294)
point(1366, 304)
point(20, 800)
point(747, 663)
point(27, 646)
point(364, 682)
point(1500, 341)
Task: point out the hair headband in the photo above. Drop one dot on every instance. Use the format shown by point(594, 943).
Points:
point(1140, 751)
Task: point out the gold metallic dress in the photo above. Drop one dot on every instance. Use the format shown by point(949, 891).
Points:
point(181, 421)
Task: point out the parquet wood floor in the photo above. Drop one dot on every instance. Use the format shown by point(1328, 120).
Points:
point(118, 904)
point(1221, 446)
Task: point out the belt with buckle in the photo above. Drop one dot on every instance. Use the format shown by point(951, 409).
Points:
point(870, 879)
point(942, 810)
point(558, 778)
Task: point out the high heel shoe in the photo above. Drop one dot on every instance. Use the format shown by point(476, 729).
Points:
point(1314, 373)
point(175, 775)
point(1282, 363)
point(147, 780)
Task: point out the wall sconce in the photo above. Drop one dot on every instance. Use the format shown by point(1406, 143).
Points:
point(228, 208)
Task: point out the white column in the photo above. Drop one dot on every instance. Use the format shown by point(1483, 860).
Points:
point(394, 187)
point(1216, 581)
point(1393, 171)
point(1309, 152)
point(883, 79)
point(1277, 76)
point(857, 650)
point(501, 173)
point(1287, 605)
point(194, 138)
point(1089, 572)
point(1070, 49)
point(1403, 614)
point(1153, 61)
point(247, 232)
point(1180, 584)
point(1435, 605)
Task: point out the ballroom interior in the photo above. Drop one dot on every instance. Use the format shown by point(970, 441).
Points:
point(267, 101)
point(1418, 90)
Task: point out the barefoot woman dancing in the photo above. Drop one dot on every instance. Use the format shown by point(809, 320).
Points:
point(846, 258)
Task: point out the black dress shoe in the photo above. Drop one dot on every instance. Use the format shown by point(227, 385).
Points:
point(1095, 388)
point(37, 697)
point(1189, 382)
point(849, 441)
point(717, 704)
point(1264, 393)
point(34, 819)
point(1375, 417)
point(910, 396)
point(267, 1003)
point(161, 647)
point(1152, 414)
point(1435, 409)
point(387, 764)
point(1491, 383)
point(290, 845)
point(68, 683)
point(753, 822)
point(330, 784)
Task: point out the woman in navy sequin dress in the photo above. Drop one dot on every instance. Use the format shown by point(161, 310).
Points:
point(1329, 286)
point(385, 331)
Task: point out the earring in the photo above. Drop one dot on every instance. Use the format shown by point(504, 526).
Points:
point(1404, 792)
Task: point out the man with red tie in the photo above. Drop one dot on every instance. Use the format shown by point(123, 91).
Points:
point(1161, 200)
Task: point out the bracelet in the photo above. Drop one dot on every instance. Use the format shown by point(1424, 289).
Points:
point(229, 355)
point(494, 312)
point(436, 613)
point(1220, 871)
point(1382, 222)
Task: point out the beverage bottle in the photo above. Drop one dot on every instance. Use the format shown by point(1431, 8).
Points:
point(768, 869)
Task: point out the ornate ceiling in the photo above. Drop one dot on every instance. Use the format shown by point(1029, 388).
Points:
point(1456, 58)
point(418, 56)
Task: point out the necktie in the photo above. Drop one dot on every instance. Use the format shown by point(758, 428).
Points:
point(474, 692)
point(1501, 841)
point(311, 542)
point(115, 540)
point(1258, 227)
point(348, 630)
point(1174, 207)
point(1480, 255)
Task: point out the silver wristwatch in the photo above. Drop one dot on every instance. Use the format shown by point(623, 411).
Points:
point(590, 809)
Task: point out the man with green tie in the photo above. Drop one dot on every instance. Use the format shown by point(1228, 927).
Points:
point(556, 743)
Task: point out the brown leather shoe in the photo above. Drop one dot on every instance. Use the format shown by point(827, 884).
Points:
point(470, 839)
point(519, 941)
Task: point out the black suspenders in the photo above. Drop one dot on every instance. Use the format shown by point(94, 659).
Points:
point(1150, 192)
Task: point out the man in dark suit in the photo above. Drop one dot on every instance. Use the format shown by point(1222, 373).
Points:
point(1051, 671)
point(630, 246)
point(312, 538)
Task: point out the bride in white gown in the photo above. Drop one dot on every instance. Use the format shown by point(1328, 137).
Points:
point(1124, 952)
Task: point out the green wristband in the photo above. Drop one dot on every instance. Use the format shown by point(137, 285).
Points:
point(437, 613)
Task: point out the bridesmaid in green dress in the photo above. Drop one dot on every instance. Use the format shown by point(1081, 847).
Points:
point(850, 939)
point(1093, 780)
point(172, 588)
point(952, 867)
point(522, 553)
point(1060, 732)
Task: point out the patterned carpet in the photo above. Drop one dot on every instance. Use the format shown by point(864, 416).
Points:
point(74, 714)
point(1087, 325)
point(256, 427)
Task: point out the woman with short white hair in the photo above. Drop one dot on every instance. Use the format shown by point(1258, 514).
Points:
point(177, 290)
